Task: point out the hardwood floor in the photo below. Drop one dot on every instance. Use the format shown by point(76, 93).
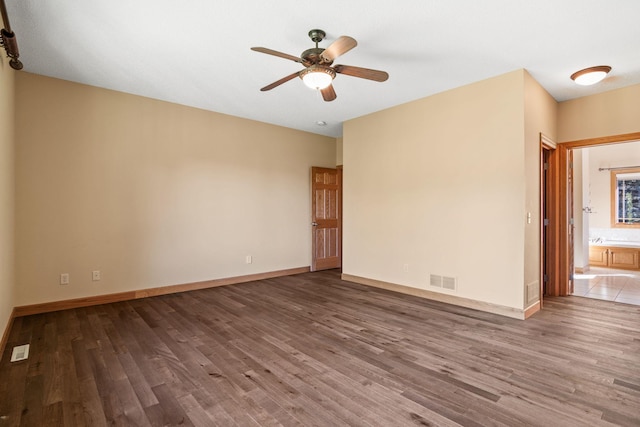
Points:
point(314, 350)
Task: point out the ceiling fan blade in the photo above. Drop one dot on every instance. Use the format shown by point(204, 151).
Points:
point(279, 82)
point(339, 47)
point(328, 93)
point(276, 53)
point(363, 73)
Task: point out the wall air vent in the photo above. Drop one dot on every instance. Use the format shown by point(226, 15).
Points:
point(20, 352)
point(443, 282)
point(449, 283)
point(435, 280)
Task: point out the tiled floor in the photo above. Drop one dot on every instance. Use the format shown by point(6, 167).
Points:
point(608, 284)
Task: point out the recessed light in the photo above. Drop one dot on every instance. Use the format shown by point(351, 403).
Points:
point(321, 123)
point(591, 75)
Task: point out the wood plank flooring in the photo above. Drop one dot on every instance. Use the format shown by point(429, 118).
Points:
point(313, 350)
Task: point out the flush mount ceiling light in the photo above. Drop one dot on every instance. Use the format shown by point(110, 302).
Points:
point(591, 75)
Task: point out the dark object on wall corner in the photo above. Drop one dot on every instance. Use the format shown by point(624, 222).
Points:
point(8, 40)
point(11, 46)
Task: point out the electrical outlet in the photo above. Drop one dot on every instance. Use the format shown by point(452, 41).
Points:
point(64, 279)
point(95, 276)
point(248, 259)
point(405, 268)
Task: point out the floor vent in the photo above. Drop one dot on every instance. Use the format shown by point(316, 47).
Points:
point(20, 352)
point(443, 282)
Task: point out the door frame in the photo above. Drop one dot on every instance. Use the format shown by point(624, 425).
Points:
point(549, 203)
point(340, 186)
point(554, 203)
point(561, 215)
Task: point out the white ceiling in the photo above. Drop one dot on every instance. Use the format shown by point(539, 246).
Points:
point(197, 52)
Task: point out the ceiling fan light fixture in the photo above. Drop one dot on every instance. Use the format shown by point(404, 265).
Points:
point(319, 72)
point(591, 75)
point(317, 77)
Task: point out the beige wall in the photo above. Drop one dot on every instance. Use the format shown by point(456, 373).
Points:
point(610, 113)
point(440, 186)
point(152, 193)
point(541, 112)
point(7, 294)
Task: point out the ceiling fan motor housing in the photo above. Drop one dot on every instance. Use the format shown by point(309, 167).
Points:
point(312, 56)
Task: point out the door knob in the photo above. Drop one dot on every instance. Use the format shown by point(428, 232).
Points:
point(314, 224)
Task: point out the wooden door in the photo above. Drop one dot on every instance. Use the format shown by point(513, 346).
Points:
point(550, 215)
point(326, 212)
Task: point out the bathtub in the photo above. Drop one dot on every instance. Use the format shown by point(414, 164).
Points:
point(624, 254)
point(616, 243)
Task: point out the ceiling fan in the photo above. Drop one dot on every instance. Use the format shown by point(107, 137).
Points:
point(318, 72)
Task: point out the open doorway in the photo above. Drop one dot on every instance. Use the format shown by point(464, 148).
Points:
point(558, 249)
point(606, 192)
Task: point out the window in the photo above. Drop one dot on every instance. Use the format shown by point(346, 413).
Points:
point(625, 198)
